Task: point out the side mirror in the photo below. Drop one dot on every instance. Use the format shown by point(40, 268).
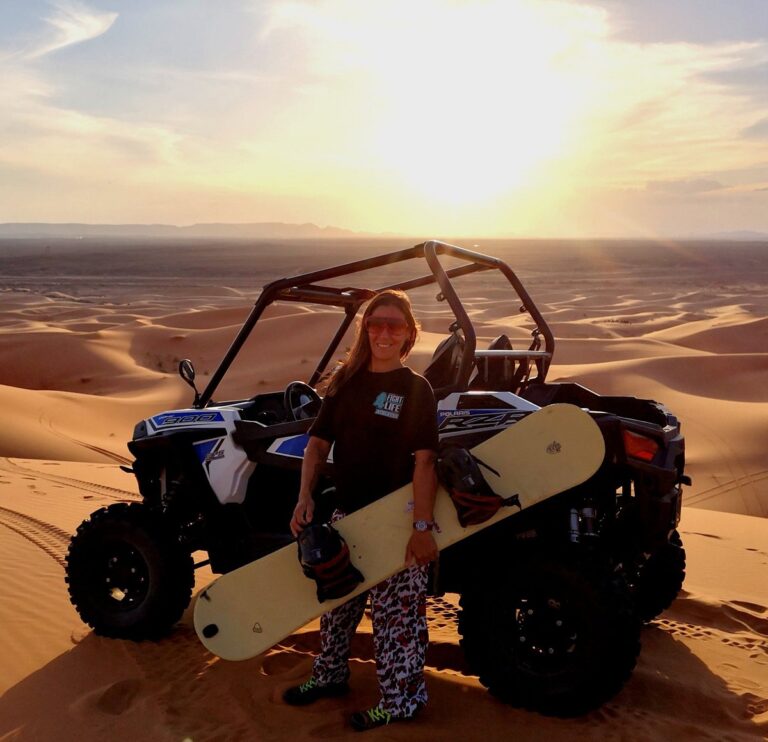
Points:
point(187, 372)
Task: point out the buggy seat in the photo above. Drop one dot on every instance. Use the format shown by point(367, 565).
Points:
point(444, 366)
point(494, 374)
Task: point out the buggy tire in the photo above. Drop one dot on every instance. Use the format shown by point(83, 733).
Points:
point(128, 576)
point(557, 637)
point(660, 578)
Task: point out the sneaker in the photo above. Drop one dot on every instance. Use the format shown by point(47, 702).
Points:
point(311, 691)
point(362, 721)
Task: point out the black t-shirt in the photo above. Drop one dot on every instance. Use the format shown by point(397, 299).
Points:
point(376, 421)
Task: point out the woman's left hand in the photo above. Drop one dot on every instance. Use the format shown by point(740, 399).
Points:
point(421, 548)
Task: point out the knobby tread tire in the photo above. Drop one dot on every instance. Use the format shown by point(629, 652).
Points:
point(596, 603)
point(168, 566)
point(660, 579)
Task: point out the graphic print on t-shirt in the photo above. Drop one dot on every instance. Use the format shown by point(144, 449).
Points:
point(388, 404)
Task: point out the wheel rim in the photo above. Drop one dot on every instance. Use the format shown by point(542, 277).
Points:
point(546, 634)
point(121, 577)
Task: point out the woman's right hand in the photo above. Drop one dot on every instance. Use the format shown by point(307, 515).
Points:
point(302, 515)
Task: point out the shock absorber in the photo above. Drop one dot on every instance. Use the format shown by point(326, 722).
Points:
point(583, 522)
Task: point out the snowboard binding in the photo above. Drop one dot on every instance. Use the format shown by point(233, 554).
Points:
point(474, 499)
point(325, 558)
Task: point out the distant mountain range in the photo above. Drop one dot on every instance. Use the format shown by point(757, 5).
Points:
point(738, 235)
point(256, 230)
point(264, 230)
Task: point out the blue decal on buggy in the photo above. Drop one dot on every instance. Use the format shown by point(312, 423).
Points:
point(203, 448)
point(186, 418)
point(293, 446)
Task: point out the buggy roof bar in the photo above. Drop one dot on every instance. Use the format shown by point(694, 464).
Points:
point(308, 288)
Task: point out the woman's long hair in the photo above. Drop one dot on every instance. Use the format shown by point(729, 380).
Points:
point(359, 355)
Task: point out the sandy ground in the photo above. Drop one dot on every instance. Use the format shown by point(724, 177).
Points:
point(83, 359)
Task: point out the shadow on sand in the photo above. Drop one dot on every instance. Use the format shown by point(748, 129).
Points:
point(175, 690)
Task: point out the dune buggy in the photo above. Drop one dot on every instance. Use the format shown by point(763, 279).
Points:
point(551, 600)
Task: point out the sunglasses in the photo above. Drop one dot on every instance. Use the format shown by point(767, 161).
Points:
point(394, 325)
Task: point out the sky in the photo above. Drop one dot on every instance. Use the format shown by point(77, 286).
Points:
point(545, 118)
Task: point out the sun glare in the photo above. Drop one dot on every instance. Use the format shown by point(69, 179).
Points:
point(461, 101)
point(471, 108)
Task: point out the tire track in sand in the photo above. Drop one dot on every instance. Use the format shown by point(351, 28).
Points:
point(750, 641)
point(113, 493)
point(49, 538)
point(728, 486)
point(111, 455)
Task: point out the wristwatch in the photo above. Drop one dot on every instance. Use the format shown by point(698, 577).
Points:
point(423, 525)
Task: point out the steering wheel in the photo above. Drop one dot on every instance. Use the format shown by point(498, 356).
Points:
point(301, 401)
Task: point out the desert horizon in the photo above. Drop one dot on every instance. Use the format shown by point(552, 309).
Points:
point(91, 333)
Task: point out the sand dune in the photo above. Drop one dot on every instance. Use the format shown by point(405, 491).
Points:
point(731, 377)
point(745, 336)
point(82, 362)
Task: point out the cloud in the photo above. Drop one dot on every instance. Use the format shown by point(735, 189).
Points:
point(687, 21)
point(684, 187)
point(751, 76)
point(758, 130)
point(72, 23)
point(58, 142)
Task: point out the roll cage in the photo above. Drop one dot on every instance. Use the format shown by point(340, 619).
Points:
point(309, 288)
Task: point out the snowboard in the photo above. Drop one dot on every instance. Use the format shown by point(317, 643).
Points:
point(249, 610)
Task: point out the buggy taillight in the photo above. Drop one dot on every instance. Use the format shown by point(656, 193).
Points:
point(639, 446)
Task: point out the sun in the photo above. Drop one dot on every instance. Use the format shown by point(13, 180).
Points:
point(471, 109)
point(466, 113)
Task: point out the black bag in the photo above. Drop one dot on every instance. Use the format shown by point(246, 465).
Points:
point(324, 557)
point(475, 502)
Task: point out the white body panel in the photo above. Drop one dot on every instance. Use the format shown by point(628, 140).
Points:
point(225, 464)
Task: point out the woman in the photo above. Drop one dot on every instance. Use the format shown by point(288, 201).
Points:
point(381, 416)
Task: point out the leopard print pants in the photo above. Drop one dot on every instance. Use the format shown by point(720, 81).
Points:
point(400, 638)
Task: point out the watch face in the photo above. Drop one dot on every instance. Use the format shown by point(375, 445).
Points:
point(421, 525)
